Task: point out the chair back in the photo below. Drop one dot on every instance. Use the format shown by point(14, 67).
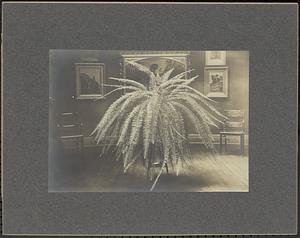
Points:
point(235, 121)
point(68, 124)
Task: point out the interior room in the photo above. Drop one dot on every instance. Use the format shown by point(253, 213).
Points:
point(84, 84)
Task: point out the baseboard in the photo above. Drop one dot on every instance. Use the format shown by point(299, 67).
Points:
point(192, 138)
point(231, 140)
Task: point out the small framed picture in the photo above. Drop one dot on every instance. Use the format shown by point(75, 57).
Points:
point(215, 58)
point(89, 80)
point(216, 82)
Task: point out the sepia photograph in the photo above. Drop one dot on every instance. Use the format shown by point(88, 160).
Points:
point(158, 119)
point(152, 121)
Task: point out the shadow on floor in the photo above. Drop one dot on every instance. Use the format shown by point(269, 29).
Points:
point(70, 172)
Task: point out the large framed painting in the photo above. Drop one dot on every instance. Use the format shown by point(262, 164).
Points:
point(164, 60)
point(89, 80)
point(215, 58)
point(216, 82)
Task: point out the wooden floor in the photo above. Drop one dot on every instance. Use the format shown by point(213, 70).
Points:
point(225, 173)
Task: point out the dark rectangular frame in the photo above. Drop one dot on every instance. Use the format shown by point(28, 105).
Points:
point(78, 83)
point(267, 31)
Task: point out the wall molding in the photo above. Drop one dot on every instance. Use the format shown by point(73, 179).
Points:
point(231, 140)
point(193, 139)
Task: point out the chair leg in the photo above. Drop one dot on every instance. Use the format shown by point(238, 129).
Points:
point(81, 147)
point(225, 144)
point(148, 169)
point(242, 144)
point(220, 143)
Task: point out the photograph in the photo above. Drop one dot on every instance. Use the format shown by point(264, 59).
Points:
point(139, 119)
point(155, 129)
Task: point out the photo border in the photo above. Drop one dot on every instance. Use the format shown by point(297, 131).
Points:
point(271, 205)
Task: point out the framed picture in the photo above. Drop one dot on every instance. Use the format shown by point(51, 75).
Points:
point(164, 60)
point(216, 82)
point(215, 58)
point(89, 80)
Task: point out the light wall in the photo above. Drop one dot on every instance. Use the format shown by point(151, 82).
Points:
point(238, 80)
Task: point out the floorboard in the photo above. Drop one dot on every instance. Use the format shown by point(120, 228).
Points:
point(69, 172)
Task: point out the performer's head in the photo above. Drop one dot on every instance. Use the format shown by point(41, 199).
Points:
point(154, 68)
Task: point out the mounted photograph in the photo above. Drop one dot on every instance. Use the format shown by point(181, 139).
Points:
point(129, 119)
point(150, 121)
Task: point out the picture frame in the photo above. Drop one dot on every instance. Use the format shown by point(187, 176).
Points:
point(214, 58)
point(166, 61)
point(216, 82)
point(89, 80)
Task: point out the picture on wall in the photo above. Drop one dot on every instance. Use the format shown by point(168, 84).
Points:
point(216, 82)
point(153, 63)
point(215, 58)
point(89, 80)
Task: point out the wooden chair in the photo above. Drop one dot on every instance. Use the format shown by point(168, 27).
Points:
point(70, 128)
point(234, 126)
